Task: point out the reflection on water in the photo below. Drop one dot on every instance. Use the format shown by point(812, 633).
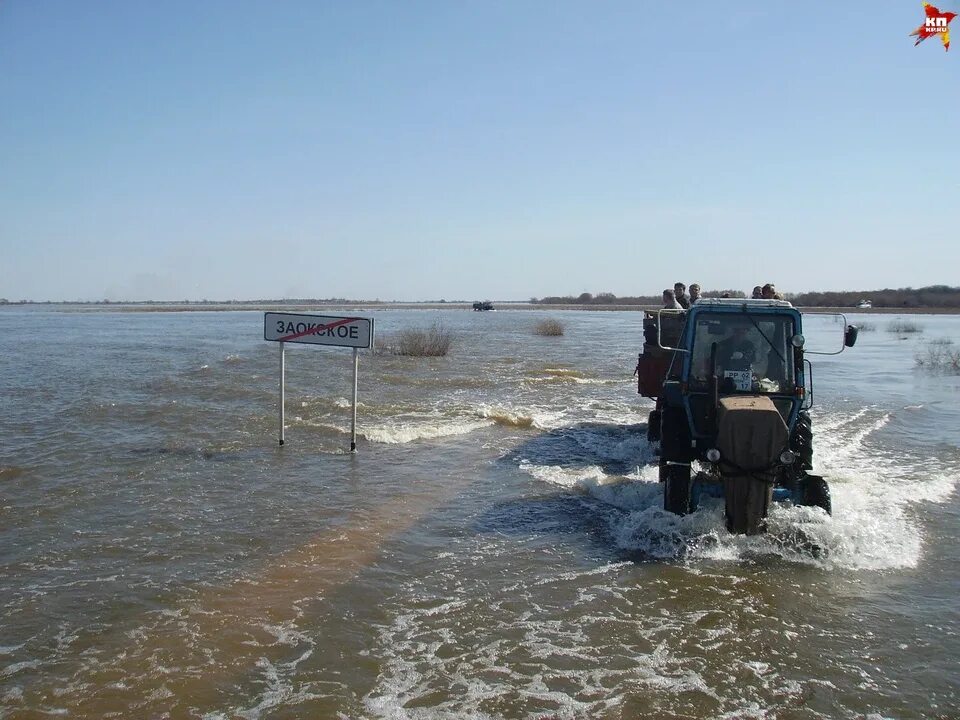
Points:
point(497, 548)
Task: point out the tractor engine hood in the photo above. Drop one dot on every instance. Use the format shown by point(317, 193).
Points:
point(751, 434)
point(750, 438)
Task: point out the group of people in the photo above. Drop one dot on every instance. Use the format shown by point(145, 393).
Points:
point(677, 299)
point(767, 292)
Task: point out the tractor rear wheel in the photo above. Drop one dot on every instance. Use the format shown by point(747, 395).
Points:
point(653, 426)
point(674, 435)
point(677, 488)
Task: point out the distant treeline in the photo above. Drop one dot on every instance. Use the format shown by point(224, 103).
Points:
point(606, 298)
point(934, 296)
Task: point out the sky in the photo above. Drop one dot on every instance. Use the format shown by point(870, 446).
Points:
point(463, 150)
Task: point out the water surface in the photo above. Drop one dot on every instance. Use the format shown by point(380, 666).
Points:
point(496, 549)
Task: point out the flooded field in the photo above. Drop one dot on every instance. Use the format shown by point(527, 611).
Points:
point(496, 549)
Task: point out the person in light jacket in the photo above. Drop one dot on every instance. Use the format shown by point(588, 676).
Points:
point(670, 301)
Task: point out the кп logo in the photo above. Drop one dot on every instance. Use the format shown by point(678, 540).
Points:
point(937, 23)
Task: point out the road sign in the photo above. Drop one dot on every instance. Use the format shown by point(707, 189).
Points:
point(318, 329)
point(352, 332)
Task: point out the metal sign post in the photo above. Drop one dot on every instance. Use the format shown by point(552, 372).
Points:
point(350, 332)
point(283, 372)
point(353, 421)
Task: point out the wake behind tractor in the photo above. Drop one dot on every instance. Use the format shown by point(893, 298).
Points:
point(732, 391)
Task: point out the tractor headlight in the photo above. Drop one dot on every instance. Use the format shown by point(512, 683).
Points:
point(787, 457)
point(797, 340)
point(713, 455)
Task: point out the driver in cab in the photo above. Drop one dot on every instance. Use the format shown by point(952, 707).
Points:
point(741, 367)
point(735, 352)
point(736, 356)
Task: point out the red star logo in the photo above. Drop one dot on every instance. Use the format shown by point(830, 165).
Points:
point(936, 23)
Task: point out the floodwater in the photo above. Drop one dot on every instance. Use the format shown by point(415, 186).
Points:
point(496, 548)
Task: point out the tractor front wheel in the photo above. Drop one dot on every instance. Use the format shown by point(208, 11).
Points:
point(677, 488)
point(801, 442)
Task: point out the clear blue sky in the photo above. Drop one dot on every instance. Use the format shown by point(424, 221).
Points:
point(475, 149)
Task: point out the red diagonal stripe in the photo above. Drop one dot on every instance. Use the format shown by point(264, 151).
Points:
point(318, 328)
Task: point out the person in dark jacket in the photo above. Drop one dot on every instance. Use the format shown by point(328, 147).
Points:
point(680, 293)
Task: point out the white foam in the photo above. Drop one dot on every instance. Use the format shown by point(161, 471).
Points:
point(564, 477)
point(543, 656)
point(618, 444)
point(522, 417)
point(400, 433)
point(573, 379)
point(875, 523)
point(14, 668)
point(458, 420)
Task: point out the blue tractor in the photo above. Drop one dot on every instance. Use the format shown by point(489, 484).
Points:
point(732, 391)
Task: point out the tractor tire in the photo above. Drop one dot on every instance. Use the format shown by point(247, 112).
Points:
point(677, 487)
point(747, 502)
point(653, 426)
point(816, 493)
point(674, 435)
point(801, 442)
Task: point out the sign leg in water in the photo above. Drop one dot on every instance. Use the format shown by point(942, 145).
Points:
point(283, 372)
point(349, 332)
point(353, 420)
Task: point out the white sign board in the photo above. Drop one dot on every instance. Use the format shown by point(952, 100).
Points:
point(318, 329)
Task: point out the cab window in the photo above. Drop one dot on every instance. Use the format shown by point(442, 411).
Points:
point(752, 354)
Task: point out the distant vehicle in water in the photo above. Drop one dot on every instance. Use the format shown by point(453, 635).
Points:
point(865, 305)
point(733, 389)
point(483, 305)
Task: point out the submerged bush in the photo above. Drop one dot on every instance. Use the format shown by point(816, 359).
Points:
point(939, 355)
point(903, 327)
point(434, 341)
point(548, 327)
point(866, 327)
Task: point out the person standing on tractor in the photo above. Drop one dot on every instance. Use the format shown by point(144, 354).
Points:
point(680, 294)
point(769, 292)
point(670, 301)
point(694, 294)
point(757, 293)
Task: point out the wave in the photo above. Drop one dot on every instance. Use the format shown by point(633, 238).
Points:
point(401, 433)
point(569, 375)
point(874, 525)
point(395, 424)
point(518, 417)
point(509, 419)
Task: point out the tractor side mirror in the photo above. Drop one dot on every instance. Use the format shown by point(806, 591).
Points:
point(850, 335)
